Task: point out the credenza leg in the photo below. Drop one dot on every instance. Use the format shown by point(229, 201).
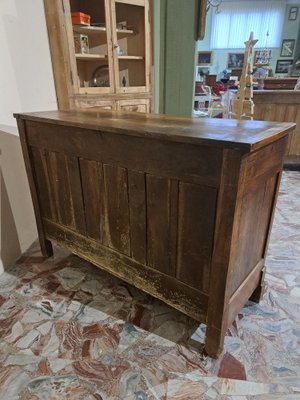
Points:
point(214, 341)
point(46, 247)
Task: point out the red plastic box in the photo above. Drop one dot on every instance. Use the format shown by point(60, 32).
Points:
point(79, 18)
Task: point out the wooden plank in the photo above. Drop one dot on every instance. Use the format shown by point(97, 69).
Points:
point(225, 133)
point(280, 110)
point(197, 208)
point(291, 115)
point(251, 233)
point(88, 57)
point(180, 296)
point(91, 181)
point(60, 188)
point(76, 193)
point(256, 165)
point(42, 183)
point(137, 210)
point(218, 295)
point(185, 161)
point(60, 52)
point(158, 223)
point(237, 300)
point(46, 246)
point(117, 223)
point(133, 2)
point(174, 197)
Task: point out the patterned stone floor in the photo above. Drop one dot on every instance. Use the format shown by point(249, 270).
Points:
point(70, 331)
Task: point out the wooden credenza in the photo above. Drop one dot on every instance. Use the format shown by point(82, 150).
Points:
point(280, 106)
point(178, 207)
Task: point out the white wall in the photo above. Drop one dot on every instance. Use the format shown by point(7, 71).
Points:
point(26, 84)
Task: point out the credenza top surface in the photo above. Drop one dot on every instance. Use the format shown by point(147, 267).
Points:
point(245, 135)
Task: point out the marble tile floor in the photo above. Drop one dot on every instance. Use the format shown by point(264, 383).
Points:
point(70, 331)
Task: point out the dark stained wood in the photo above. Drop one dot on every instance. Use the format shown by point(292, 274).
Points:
point(60, 188)
point(117, 208)
point(76, 194)
point(185, 161)
point(196, 215)
point(218, 295)
point(255, 214)
point(180, 296)
point(91, 183)
point(286, 83)
point(137, 211)
point(158, 223)
point(177, 207)
point(42, 182)
point(46, 246)
point(228, 133)
point(174, 197)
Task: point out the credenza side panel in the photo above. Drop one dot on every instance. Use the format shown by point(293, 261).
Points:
point(256, 201)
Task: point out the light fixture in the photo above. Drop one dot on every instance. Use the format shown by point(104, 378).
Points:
point(213, 3)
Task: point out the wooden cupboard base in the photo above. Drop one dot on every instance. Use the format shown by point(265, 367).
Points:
point(178, 207)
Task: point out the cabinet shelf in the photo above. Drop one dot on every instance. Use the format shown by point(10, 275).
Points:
point(130, 57)
point(89, 56)
point(124, 33)
point(96, 30)
point(89, 30)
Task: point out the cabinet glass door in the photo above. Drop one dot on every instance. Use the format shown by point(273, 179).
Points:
point(130, 30)
point(91, 31)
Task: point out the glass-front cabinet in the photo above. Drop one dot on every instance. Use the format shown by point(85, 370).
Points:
point(102, 47)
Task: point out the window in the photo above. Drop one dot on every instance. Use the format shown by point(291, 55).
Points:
point(232, 26)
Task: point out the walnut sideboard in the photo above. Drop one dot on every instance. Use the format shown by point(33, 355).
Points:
point(178, 207)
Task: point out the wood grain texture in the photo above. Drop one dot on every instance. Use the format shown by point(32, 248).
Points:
point(158, 223)
point(180, 296)
point(137, 212)
point(117, 208)
point(185, 161)
point(244, 135)
point(218, 294)
point(175, 207)
point(46, 246)
point(92, 183)
point(282, 106)
point(197, 207)
point(60, 188)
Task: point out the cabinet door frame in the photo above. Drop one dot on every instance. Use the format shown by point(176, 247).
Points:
point(147, 46)
point(69, 30)
point(60, 53)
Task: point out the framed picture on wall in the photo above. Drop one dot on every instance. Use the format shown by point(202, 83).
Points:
point(204, 57)
point(262, 57)
point(282, 66)
point(293, 13)
point(287, 48)
point(235, 60)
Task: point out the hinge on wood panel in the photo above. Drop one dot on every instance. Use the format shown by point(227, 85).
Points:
point(71, 77)
point(63, 5)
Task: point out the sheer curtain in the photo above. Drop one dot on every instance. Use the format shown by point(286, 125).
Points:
point(232, 26)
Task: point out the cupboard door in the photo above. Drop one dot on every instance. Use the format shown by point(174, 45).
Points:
point(138, 105)
point(131, 49)
point(91, 47)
